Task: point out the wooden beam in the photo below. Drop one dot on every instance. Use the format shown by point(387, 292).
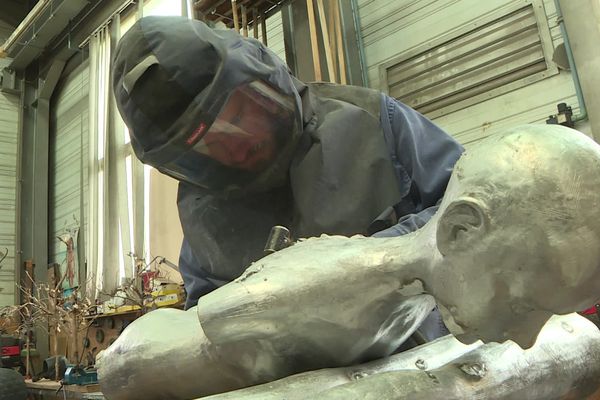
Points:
point(263, 26)
point(236, 22)
point(325, 36)
point(340, 42)
point(255, 22)
point(332, 36)
point(314, 44)
point(244, 21)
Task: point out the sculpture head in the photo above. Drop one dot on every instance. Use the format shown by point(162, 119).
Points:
point(518, 234)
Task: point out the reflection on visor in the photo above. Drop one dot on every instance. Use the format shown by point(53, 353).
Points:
point(198, 169)
point(247, 136)
point(251, 128)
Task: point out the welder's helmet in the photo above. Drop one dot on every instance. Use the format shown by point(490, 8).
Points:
point(206, 106)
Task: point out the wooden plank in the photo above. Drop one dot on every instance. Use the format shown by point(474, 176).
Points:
point(255, 22)
point(263, 26)
point(331, 20)
point(244, 21)
point(340, 42)
point(325, 37)
point(314, 44)
point(46, 384)
point(82, 388)
point(236, 22)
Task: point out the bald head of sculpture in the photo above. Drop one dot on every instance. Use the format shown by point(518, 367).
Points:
point(518, 234)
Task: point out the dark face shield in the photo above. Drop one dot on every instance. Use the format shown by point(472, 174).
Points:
point(248, 134)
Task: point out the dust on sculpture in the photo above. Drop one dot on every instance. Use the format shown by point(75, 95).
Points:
point(514, 241)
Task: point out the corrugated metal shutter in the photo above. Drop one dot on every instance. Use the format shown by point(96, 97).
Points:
point(394, 29)
point(9, 115)
point(68, 160)
point(275, 35)
point(484, 59)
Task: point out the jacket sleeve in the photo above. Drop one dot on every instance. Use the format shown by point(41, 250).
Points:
point(195, 278)
point(423, 156)
point(222, 237)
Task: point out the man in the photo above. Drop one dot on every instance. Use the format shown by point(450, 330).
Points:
point(254, 147)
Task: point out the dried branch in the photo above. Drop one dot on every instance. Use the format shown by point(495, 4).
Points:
point(45, 307)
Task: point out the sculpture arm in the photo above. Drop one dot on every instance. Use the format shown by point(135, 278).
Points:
point(564, 363)
point(166, 355)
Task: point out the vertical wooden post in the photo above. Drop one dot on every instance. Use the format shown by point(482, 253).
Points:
point(314, 44)
point(244, 21)
point(27, 359)
point(234, 15)
point(263, 27)
point(340, 42)
point(255, 22)
point(27, 285)
point(332, 37)
point(325, 35)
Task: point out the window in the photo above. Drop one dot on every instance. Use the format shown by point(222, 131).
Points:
point(119, 184)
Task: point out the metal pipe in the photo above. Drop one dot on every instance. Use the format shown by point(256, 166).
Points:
point(24, 25)
point(582, 116)
point(359, 41)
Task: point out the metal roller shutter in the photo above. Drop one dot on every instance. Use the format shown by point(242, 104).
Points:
point(9, 115)
point(398, 30)
point(275, 35)
point(491, 57)
point(68, 180)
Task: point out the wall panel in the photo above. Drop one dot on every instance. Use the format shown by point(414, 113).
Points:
point(9, 125)
point(392, 28)
point(68, 161)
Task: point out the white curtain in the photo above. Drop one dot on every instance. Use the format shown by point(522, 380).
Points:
point(118, 211)
point(116, 198)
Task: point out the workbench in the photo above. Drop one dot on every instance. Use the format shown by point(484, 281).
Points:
point(51, 390)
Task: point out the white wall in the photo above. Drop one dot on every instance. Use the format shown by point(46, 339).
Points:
point(165, 231)
point(391, 28)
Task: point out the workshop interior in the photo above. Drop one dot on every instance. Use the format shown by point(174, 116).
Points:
point(413, 216)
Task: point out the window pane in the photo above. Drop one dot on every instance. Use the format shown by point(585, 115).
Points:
point(162, 7)
point(129, 172)
point(126, 133)
point(100, 232)
point(147, 170)
point(127, 23)
point(121, 253)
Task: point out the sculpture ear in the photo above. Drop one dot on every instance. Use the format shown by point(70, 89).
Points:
point(464, 221)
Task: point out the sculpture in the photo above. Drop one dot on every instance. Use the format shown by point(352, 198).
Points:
point(563, 364)
point(514, 241)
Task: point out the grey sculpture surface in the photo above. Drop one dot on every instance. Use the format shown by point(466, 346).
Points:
point(514, 241)
point(564, 363)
